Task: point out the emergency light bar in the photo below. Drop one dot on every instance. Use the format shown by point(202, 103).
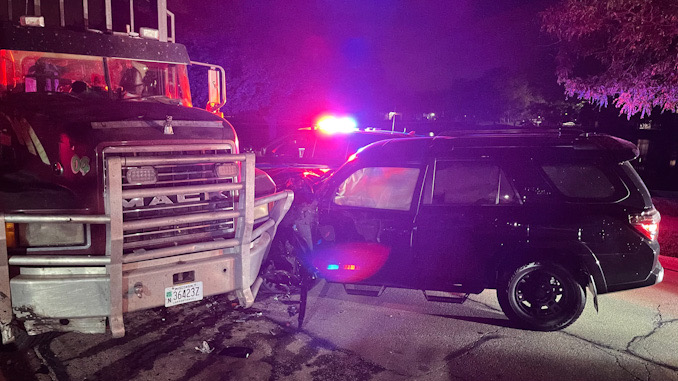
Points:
point(334, 125)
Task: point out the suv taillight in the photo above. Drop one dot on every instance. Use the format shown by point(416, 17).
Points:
point(646, 223)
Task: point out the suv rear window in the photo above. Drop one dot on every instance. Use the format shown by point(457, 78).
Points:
point(584, 181)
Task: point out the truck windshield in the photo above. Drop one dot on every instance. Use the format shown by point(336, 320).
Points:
point(117, 78)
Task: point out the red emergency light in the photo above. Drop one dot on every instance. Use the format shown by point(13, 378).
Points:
point(330, 124)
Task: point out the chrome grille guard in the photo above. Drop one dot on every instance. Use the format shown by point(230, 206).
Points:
point(148, 241)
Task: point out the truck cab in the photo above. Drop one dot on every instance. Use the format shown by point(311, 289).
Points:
point(116, 194)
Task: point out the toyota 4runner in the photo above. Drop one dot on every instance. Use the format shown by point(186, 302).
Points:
point(538, 216)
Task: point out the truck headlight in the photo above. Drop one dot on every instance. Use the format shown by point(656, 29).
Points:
point(260, 211)
point(226, 170)
point(50, 234)
point(142, 175)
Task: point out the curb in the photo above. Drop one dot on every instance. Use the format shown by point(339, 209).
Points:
point(669, 263)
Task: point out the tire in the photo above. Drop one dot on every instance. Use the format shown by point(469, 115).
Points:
point(542, 296)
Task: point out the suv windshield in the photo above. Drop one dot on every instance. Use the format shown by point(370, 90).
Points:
point(36, 72)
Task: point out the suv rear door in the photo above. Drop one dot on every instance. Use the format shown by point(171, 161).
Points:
point(469, 210)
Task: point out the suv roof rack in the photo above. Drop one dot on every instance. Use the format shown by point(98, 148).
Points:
point(619, 149)
point(516, 132)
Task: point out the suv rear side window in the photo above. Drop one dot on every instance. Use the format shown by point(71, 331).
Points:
point(584, 181)
point(379, 187)
point(463, 182)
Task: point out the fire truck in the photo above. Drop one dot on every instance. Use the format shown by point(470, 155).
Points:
point(116, 195)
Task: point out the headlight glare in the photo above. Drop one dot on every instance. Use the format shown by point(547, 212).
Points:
point(260, 211)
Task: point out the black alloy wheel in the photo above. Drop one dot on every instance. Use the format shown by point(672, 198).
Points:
point(542, 296)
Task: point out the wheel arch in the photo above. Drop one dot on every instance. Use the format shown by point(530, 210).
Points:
point(576, 257)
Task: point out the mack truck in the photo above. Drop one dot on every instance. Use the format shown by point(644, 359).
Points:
point(116, 194)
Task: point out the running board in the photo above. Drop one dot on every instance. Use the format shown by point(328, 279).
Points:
point(366, 290)
point(445, 296)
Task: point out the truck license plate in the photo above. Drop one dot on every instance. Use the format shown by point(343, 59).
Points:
point(184, 293)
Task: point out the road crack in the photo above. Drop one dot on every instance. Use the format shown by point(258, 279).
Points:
point(470, 347)
point(628, 351)
point(659, 323)
point(465, 350)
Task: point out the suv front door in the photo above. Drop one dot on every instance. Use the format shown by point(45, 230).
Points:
point(365, 226)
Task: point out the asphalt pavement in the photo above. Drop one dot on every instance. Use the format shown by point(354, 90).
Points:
point(398, 336)
point(633, 336)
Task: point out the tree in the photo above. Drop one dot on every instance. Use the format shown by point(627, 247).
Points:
point(624, 51)
point(272, 73)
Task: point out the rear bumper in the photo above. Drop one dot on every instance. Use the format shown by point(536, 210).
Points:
point(655, 276)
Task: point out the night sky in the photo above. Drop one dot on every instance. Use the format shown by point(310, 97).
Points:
point(377, 55)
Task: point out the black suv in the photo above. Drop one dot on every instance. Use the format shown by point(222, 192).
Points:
point(538, 216)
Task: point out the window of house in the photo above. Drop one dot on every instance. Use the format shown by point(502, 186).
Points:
point(378, 187)
point(645, 125)
point(643, 148)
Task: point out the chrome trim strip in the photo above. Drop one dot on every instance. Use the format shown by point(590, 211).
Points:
point(261, 229)
point(113, 204)
point(58, 260)
point(182, 205)
point(188, 159)
point(206, 146)
point(270, 198)
point(190, 189)
point(175, 220)
point(76, 219)
point(178, 250)
point(227, 227)
point(176, 239)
